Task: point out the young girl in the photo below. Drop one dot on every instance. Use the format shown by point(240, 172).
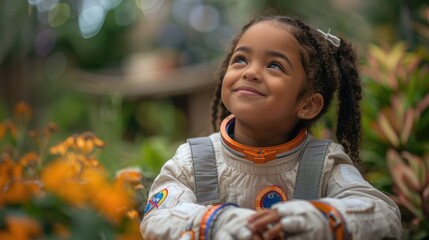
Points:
point(265, 180)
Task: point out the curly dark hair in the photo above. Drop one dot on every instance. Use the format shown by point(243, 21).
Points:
point(328, 69)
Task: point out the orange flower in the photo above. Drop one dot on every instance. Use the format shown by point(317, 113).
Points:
point(113, 203)
point(87, 141)
point(23, 111)
point(95, 179)
point(12, 129)
point(133, 214)
point(61, 231)
point(131, 176)
point(12, 189)
point(6, 166)
point(60, 149)
point(89, 136)
point(30, 158)
point(2, 130)
point(16, 192)
point(21, 228)
point(73, 192)
point(81, 143)
point(42, 137)
point(84, 143)
point(50, 129)
point(8, 125)
point(13, 186)
point(17, 172)
point(35, 187)
point(132, 231)
point(92, 162)
point(70, 141)
point(57, 172)
point(61, 178)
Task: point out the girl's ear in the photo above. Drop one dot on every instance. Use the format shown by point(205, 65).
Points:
point(311, 106)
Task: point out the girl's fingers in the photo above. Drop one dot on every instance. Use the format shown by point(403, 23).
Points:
point(258, 215)
point(263, 220)
point(276, 232)
point(257, 237)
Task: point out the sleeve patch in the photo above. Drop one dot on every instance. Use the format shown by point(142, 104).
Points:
point(165, 198)
point(348, 175)
point(358, 206)
point(156, 200)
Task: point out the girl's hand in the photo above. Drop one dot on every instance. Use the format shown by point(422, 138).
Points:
point(293, 219)
point(232, 224)
point(265, 225)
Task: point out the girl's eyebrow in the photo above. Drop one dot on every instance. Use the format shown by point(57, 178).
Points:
point(280, 55)
point(269, 53)
point(243, 49)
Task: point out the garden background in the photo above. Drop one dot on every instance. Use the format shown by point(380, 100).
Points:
point(95, 95)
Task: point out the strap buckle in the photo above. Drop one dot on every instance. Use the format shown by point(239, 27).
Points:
point(336, 221)
point(260, 156)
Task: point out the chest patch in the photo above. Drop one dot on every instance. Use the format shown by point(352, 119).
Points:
point(156, 200)
point(269, 196)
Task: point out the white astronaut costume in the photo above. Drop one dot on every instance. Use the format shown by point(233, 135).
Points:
point(173, 210)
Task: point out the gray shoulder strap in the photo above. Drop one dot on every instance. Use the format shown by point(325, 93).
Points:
point(309, 175)
point(205, 170)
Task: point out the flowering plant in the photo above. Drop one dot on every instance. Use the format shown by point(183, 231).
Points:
point(63, 191)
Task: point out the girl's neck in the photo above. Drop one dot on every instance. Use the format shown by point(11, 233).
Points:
point(261, 136)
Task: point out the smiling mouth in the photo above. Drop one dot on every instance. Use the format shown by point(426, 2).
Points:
point(248, 90)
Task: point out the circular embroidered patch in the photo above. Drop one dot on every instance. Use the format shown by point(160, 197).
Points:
point(269, 196)
point(156, 200)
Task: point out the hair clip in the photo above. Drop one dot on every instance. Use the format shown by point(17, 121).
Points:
point(331, 38)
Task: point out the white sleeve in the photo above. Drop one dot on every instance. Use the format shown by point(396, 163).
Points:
point(172, 203)
point(369, 213)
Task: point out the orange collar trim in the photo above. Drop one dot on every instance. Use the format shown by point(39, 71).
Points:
point(259, 155)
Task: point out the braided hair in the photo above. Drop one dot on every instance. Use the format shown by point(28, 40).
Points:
point(328, 69)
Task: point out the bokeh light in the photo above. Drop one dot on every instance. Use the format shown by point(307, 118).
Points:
point(109, 4)
point(181, 9)
point(149, 6)
point(45, 5)
point(204, 18)
point(91, 20)
point(59, 14)
point(45, 42)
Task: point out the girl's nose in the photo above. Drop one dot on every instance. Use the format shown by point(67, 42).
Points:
point(252, 73)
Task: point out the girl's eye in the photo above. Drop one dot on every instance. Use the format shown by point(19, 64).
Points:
point(275, 66)
point(239, 60)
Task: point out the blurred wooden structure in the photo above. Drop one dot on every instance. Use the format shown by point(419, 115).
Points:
point(195, 83)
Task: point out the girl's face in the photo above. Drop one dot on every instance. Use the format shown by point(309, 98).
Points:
point(265, 78)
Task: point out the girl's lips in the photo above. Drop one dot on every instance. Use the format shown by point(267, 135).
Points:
point(248, 90)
